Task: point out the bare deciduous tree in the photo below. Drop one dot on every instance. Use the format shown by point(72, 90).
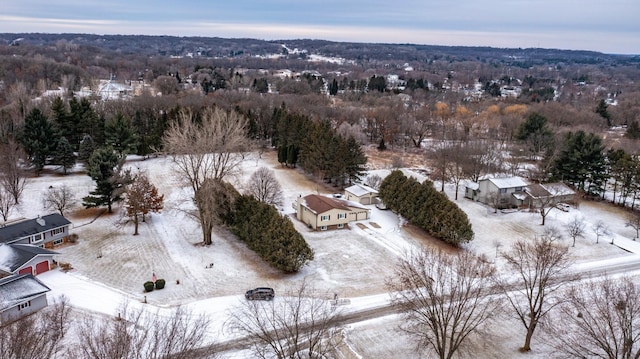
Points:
point(6, 204)
point(600, 319)
point(214, 198)
point(12, 176)
point(264, 186)
point(600, 229)
point(298, 325)
point(575, 228)
point(37, 336)
point(443, 297)
point(373, 181)
point(59, 199)
point(633, 221)
point(211, 148)
point(540, 265)
point(142, 334)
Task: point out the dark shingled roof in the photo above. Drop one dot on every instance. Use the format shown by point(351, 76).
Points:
point(13, 256)
point(30, 227)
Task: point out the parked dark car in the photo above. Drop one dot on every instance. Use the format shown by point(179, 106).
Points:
point(260, 293)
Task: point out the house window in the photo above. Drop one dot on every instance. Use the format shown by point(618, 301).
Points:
point(22, 306)
point(57, 231)
point(323, 228)
point(342, 215)
point(58, 241)
point(341, 225)
point(326, 217)
point(503, 190)
point(518, 189)
point(36, 238)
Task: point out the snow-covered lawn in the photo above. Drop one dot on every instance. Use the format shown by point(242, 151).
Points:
point(110, 265)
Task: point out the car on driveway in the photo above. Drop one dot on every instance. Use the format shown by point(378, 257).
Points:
point(563, 207)
point(260, 293)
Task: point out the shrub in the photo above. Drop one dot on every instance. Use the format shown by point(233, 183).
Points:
point(160, 283)
point(148, 286)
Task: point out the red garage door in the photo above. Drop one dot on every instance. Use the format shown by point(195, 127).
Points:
point(26, 270)
point(42, 267)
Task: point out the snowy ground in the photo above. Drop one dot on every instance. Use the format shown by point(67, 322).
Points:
point(110, 264)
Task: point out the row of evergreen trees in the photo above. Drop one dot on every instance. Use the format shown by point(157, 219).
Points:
point(422, 205)
point(265, 231)
point(75, 127)
point(317, 148)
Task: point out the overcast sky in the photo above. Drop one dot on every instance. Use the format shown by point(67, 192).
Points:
point(609, 26)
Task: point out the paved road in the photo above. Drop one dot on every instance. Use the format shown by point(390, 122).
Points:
point(590, 270)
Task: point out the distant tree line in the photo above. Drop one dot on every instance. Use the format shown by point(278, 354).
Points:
point(422, 205)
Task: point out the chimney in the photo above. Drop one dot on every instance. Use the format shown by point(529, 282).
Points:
point(40, 221)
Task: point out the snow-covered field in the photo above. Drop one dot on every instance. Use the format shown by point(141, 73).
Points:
point(110, 265)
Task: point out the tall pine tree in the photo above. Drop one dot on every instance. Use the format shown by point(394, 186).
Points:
point(38, 138)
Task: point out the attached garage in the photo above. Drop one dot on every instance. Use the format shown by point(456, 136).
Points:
point(25, 259)
point(42, 267)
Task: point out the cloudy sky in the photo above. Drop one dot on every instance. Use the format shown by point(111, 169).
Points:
point(609, 26)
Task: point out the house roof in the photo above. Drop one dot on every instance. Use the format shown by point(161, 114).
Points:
point(16, 289)
point(14, 256)
point(508, 182)
point(558, 189)
point(360, 190)
point(320, 204)
point(12, 232)
point(537, 191)
point(549, 190)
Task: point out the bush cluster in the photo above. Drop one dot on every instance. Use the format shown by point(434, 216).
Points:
point(160, 283)
point(149, 286)
point(422, 205)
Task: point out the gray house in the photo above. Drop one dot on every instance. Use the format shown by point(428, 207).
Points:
point(46, 231)
point(21, 295)
point(25, 259)
point(498, 192)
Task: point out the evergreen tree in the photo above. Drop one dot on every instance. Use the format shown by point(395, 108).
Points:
point(333, 87)
point(601, 110)
point(86, 148)
point(38, 138)
point(120, 135)
point(63, 122)
point(422, 205)
point(86, 121)
point(64, 155)
point(355, 160)
point(581, 162)
point(633, 130)
point(381, 145)
point(105, 168)
point(536, 133)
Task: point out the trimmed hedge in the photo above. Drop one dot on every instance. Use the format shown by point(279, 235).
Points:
point(148, 286)
point(160, 283)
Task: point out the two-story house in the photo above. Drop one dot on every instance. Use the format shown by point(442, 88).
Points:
point(46, 231)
